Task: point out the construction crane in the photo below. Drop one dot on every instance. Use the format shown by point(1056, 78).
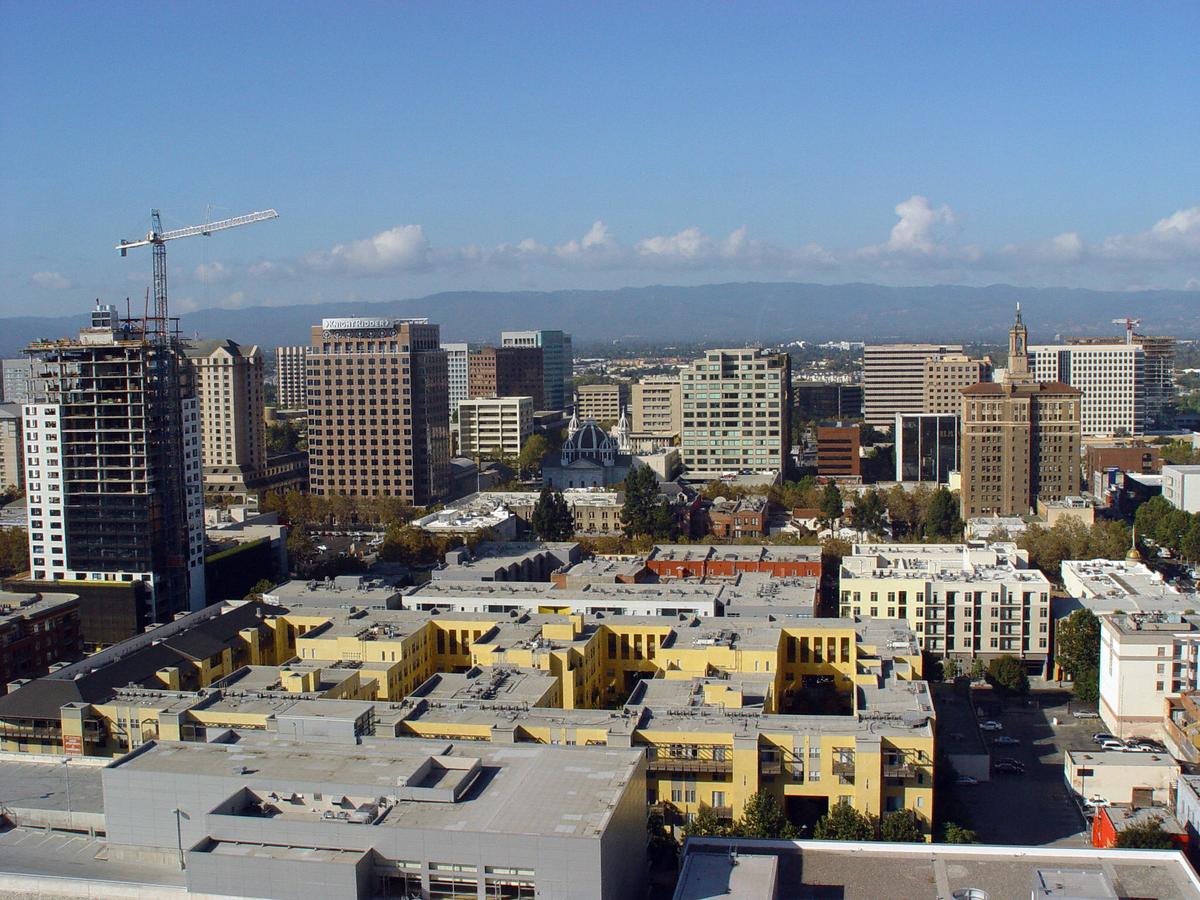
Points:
point(157, 238)
point(1129, 324)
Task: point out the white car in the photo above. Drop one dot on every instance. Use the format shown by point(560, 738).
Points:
point(1096, 802)
point(991, 725)
point(966, 779)
point(1113, 745)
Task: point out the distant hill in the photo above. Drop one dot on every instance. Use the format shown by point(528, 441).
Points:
point(718, 313)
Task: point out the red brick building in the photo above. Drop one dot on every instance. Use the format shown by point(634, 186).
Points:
point(738, 518)
point(506, 372)
point(1111, 820)
point(709, 561)
point(837, 451)
point(36, 631)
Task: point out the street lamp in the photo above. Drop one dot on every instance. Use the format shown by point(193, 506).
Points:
point(66, 764)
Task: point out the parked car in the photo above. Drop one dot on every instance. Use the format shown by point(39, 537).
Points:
point(1101, 736)
point(1096, 802)
point(1005, 741)
point(1086, 714)
point(966, 779)
point(1113, 744)
point(991, 725)
point(1009, 768)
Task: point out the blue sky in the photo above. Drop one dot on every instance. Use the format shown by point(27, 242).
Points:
point(415, 147)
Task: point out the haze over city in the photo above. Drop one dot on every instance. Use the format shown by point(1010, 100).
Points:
point(418, 148)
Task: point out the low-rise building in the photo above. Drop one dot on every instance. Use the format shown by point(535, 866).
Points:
point(1181, 487)
point(1144, 659)
point(713, 561)
point(472, 519)
point(1110, 821)
point(1130, 779)
point(1088, 578)
point(1067, 509)
point(966, 601)
point(36, 632)
point(741, 517)
point(507, 561)
point(838, 451)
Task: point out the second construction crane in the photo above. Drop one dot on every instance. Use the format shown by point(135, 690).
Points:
point(158, 326)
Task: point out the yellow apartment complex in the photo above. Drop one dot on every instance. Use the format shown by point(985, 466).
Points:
point(817, 711)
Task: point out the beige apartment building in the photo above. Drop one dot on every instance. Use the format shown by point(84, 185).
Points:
point(894, 379)
point(291, 377)
point(602, 402)
point(736, 413)
point(1021, 439)
point(945, 377)
point(497, 425)
point(11, 470)
point(973, 600)
point(656, 406)
point(229, 389)
point(378, 409)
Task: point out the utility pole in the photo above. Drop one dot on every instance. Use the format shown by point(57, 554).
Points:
point(179, 836)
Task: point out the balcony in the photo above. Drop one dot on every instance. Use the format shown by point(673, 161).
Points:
point(899, 770)
point(770, 765)
point(843, 765)
point(691, 758)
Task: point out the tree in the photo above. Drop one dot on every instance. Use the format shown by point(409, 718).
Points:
point(1145, 835)
point(942, 521)
point(301, 550)
point(259, 588)
point(844, 823)
point(869, 512)
point(901, 826)
point(410, 546)
point(977, 671)
point(646, 511)
point(1007, 674)
point(1078, 643)
point(705, 824)
point(957, 834)
point(14, 551)
point(951, 668)
point(831, 504)
point(903, 511)
point(529, 460)
point(762, 817)
point(551, 518)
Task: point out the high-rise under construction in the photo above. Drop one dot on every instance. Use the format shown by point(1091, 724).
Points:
point(113, 475)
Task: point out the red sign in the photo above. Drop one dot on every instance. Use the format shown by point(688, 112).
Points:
point(72, 745)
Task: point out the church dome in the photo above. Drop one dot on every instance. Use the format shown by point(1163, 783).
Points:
point(589, 441)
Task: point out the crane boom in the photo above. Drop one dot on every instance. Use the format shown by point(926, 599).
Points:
point(154, 237)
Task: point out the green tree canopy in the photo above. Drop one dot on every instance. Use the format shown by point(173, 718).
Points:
point(259, 588)
point(529, 460)
point(646, 511)
point(705, 824)
point(551, 518)
point(957, 834)
point(831, 504)
point(302, 552)
point(1078, 651)
point(762, 817)
point(14, 551)
point(1146, 835)
point(844, 823)
point(869, 512)
point(1006, 673)
point(942, 521)
point(903, 825)
point(410, 546)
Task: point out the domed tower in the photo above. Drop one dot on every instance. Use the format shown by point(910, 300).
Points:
point(590, 442)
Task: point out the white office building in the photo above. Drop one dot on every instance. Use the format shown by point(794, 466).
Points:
point(456, 364)
point(291, 377)
point(494, 425)
point(1181, 487)
point(1112, 377)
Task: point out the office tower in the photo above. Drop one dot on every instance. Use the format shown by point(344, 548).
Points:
point(456, 368)
point(1020, 438)
point(926, 446)
point(378, 409)
point(11, 470)
point(229, 389)
point(506, 372)
point(113, 475)
point(494, 425)
point(656, 406)
point(837, 451)
point(1111, 376)
point(816, 400)
point(602, 402)
point(291, 377)
point(736, 413)
point(944, 378)
point(894, 379)
point(16, 381)
point(1160, 379)
point(558, 363)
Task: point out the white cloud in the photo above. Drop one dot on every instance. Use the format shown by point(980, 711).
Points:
point(597, 246)
point(1192, 284)
point(212, 273)
point(54, 281)
point(270, 271)
point(1175, 237)
point(399, 249)
point(685, 246)
point(914, 233)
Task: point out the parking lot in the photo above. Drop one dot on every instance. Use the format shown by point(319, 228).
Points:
point(1034, 807)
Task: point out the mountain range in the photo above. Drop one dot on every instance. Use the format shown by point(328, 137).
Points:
point(730, 314)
